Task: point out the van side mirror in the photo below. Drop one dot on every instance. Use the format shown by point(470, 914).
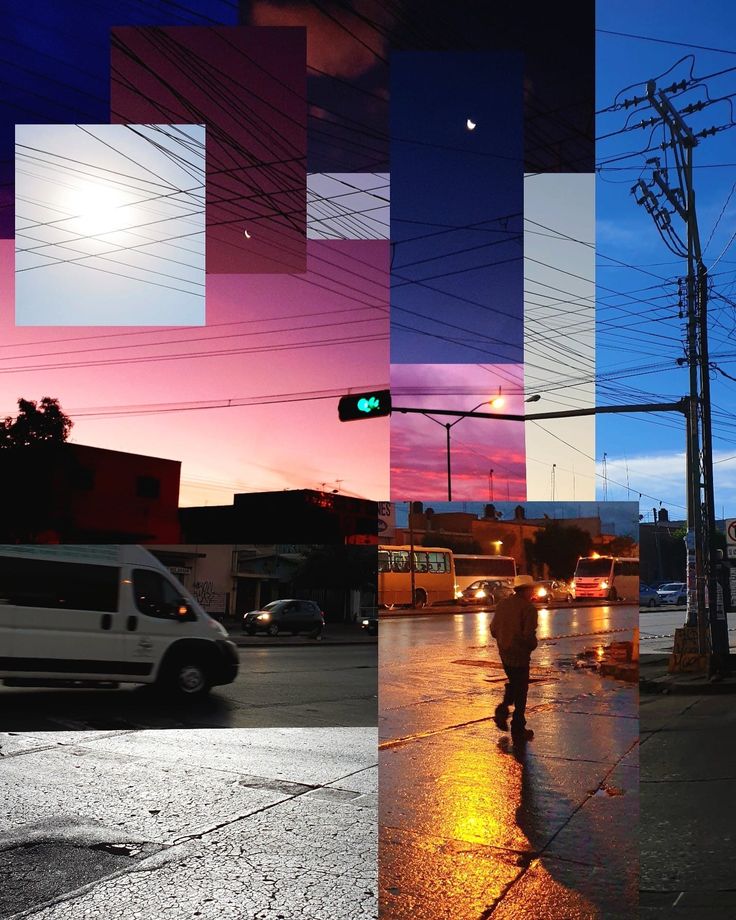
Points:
point(182, 612)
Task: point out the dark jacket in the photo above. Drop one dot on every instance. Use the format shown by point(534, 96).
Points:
point(514, 627)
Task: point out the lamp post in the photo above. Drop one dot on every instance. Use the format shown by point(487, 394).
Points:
point(495, 402)
point(490, 485)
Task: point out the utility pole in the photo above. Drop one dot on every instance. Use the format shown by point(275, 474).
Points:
point(671, 191)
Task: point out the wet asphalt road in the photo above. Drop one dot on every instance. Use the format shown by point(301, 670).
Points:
point(472, 827)
point(297, 686)
point(252, 823)
point(658, 625)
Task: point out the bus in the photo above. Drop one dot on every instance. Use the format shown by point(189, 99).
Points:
point(608, 577)
point(434, 576)
point(471, 568)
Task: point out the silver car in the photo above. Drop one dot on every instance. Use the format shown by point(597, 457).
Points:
point(674, 592)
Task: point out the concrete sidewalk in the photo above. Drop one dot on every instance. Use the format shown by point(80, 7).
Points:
point(688, 787)
point(654, 678)
point(251, 823)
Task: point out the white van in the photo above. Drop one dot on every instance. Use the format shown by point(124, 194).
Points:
point(81, 615)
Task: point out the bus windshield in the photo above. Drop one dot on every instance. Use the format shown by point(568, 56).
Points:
point(593, 568)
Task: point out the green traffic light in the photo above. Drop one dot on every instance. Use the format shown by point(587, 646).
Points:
point(369, 405)
point(364, 405)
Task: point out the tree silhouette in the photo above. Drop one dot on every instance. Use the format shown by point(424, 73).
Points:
point(559, 546)
point(35, 424)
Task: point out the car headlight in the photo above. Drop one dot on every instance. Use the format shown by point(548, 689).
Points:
point(603, 584)
point(263, 616)
point(541, 592)
point(480, 593)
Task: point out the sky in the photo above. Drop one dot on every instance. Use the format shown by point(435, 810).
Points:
point(57, 67)
point(60, 74)
point(620, 518)
point(350, 45)
point(456, 230)
point(477, 446)
point(285, 345)
point(248, 86)
point(348, 206)
point(109, 225)
point(639, 331)
point(559, 332)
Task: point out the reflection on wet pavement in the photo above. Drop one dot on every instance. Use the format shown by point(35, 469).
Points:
point(475, 827)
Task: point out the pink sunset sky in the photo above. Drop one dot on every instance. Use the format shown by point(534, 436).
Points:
point(268, 337)
point(419, 445)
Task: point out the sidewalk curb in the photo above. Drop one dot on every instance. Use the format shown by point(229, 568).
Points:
point(276, 642)
point(694, 686)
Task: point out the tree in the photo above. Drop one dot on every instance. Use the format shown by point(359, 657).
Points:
point(559, 547)
point(35, 424)
point(619, 546)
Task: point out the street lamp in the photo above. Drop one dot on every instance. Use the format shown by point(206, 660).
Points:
point(495, 402)
point(490, 485)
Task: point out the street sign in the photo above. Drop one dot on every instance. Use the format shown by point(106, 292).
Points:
point(364, 405)
point(731, 552)
point(731, 532)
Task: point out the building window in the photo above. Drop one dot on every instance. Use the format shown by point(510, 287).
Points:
point(148, 487)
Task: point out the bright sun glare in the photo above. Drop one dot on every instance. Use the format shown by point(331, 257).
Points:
point(97, 209)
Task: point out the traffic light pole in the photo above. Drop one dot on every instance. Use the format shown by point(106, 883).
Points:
point(679, 406)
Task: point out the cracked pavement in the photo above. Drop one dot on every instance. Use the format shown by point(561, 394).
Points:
point(269, 824)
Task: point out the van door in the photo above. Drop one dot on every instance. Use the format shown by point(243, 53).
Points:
point(63, 618)
point(153, 619)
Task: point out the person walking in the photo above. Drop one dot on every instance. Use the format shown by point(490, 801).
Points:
point(514, 627)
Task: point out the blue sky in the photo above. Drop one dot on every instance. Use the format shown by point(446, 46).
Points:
point(109, 225)
point(639, 331)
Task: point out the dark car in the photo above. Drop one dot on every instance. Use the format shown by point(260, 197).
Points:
point(485, 591)
point(286, 616)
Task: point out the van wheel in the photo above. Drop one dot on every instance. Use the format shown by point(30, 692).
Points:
point(273, 629)
point(186, 678)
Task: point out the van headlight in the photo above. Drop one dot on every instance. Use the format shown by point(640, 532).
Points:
point(603, 584)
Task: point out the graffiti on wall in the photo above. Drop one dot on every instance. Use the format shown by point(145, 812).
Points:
point(213, 601)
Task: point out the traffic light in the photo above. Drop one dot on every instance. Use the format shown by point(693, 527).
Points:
point(364, 405)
